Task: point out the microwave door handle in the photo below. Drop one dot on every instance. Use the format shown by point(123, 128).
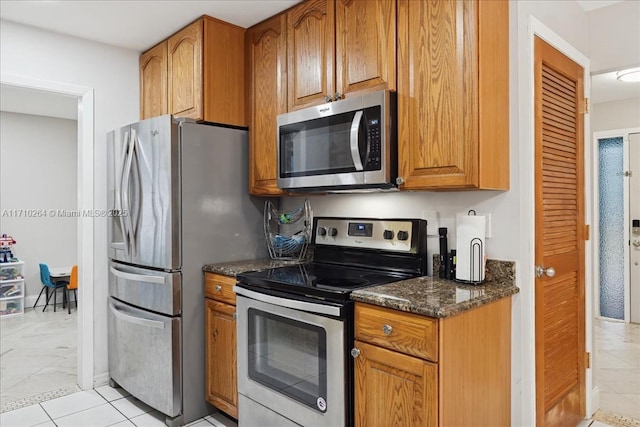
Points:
point(355, 150)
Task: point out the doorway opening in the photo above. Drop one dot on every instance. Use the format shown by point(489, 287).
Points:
point(617, 172)
point(85, 226)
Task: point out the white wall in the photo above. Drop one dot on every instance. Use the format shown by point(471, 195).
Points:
point(113, 74)
point(38, 172)
point(613, 115)
point(614, 36)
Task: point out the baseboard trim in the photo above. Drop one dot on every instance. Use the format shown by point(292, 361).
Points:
point(100, 380)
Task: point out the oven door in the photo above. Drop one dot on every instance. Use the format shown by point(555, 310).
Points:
point(291, 360)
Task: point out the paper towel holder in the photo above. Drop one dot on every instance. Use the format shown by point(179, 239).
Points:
point(476, 262)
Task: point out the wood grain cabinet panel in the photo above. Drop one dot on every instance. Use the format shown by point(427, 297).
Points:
point(153, 82)
point(365, 45)
point(220, 343)
point(393, 389)
point(397, 379)
point(203, 77)
point(453, 79)
point(266, 47)
point(310, 53)
point(185, 72)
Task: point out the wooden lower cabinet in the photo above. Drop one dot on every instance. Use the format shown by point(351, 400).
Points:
point(220, 330)
point(414, 370)
point(393, 389)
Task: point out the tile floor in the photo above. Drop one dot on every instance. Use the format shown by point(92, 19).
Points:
point(38, 365)
point(104, 406)
point(38, 356)
point(617, 367)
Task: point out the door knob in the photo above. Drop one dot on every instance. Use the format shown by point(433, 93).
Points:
point(549, 271)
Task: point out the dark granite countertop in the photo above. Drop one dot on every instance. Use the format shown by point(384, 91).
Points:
point(232, 269)
point(432, 296)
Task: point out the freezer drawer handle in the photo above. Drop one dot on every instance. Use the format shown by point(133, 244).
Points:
point(137, 320)
point(138, 277)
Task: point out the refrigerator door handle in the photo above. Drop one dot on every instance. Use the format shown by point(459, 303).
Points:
point(126, 199)
point(136, 320)
point(135, 148)
point(137, 277)
point(120, 196)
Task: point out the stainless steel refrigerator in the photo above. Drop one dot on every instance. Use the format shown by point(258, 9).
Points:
point(178, 199)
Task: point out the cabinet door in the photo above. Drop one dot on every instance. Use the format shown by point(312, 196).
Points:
point(437, 94)
point(221, 365)
point(153, 82)
point(393, 389)
point(365, 45)
point(267, 61)
point(185, 72)
point(224, 74)
point(310, 52)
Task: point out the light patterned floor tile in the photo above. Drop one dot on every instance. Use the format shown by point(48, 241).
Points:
point(111, 393)
point(131, 407)
point(98, 416)
point(29, 416)
point(73, 403)
point(151, 419)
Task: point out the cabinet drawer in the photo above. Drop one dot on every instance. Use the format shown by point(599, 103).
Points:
point(219, 288)
point(405, 332)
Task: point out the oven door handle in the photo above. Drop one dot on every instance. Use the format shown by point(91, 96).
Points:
point(330, 310)
point(353, 141)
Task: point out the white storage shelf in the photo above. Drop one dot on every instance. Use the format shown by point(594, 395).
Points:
point(11, 288)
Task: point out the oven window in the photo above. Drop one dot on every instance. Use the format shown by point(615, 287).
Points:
point(289, 357)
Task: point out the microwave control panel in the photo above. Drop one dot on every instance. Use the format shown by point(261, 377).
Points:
point(374, 138)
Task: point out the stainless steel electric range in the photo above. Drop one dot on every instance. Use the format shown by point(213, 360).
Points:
point(295, 323)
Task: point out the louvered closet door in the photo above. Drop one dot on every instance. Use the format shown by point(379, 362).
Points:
point(560, 348)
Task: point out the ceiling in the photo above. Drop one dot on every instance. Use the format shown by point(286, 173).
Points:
point(140, 24)
point(134, 24)
point(589, 5)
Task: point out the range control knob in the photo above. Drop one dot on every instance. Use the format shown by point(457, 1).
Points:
point(403, 235)
point(388, 234)
point(331, 231)
point(322, 231)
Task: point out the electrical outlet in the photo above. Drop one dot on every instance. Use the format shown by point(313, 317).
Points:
point(487, 225)
point(433, 222)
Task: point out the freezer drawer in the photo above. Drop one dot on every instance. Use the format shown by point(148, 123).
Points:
point(149, 289)
point(145, 356)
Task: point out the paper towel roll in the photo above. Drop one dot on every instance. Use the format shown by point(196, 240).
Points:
point(470, 237)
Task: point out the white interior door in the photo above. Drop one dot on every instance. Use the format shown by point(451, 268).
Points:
point(634, 232)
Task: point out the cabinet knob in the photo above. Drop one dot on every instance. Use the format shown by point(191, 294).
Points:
point(337, 96)
point(399, 180)
point(218, 288)
point(355, 353)
point(327, 98)
point(387, 329)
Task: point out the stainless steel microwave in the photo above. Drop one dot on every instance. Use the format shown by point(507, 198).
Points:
point(340, 146)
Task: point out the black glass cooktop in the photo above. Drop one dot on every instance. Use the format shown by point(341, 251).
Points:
point(318, 280)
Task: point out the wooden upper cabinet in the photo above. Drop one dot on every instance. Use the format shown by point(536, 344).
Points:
point(266, 47)
point(153, 82)
point(185, 72)
point(453, 102)
point(365, 45)
point(198, 73)
point(339, 47)
point(310, 53)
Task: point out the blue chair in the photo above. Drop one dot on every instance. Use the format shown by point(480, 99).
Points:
point(45, 278)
